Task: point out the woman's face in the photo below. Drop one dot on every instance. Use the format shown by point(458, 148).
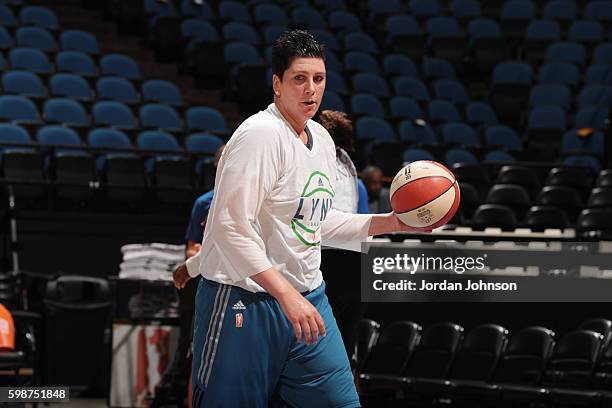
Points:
point(301, 90)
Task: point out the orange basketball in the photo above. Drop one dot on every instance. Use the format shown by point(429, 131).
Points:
point(424, 194)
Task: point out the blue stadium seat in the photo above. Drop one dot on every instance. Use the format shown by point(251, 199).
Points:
point(370, 83)
point(498, 156)
point(515, 16)
point(308, 18)
point(360, 41)
point(436, 68)
point(108, 137)
point(75, 62)
point(335, 82)
point(330, 5)
point(35, 37)
point(190, 8)
point(411, 155)
point(540, 34)
point(419, 134)
point(326, 38)
point(401, 107)
point(464, 10)
point(160, 117)
point(242, 53)
point(30, 59)
point(459, 134)
point(158, 90)
point(367, 105)
point(562, 73)
point(379, 9)
point(203, 143)
point(117, 89)
point(450, 90)
point(65, 111)
point(487, 43)
point(502, 136)
point(39, 16)
point(234, 11)
point(343, 22)
point(412, 88)
point(205, 118)
point(58, 135)
point(23, 83)
point(573, 143)
point(369, 128)
point(510, 88)
point(113, 114)
point(272, 32)
point(270, 14)
point(10, 133)
point(119, 65)
point(157, 140)
point(480, 114)
point(356, 61)
point(240, 32)
point(551, 95)
point(454, 156)
point(545, 125)
point(194, 31)
point(77, 40)
point(70, 86)
point(7, 17)
point(6, 39)
point(332, 101)
point(424, 9)
point(599, 74)
point(399, 65)
point(586, 32)
point(445, 39)
point(18, 109)
point(562, 11)
point(595, 117)
point(566, 51)
point(332, 62)
point(583, 161)
point(594, 95)
point(602, 55)
point(443, 112)
point(599, 11)
point(404, 36)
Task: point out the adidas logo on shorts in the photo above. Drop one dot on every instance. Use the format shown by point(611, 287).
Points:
point(239, 306)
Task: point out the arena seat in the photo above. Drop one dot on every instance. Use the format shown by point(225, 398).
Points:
point(70, 86)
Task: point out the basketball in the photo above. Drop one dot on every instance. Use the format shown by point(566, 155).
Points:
point(424, 194)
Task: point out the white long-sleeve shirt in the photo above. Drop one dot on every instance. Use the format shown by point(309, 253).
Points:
point(273, 206)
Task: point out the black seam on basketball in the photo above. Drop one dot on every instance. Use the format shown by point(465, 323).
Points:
point(433, 199)
point(408, 182)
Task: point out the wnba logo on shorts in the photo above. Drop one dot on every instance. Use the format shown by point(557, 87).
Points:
point(238, 320)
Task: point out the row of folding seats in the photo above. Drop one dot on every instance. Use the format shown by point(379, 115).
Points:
point(74, 62)
point(119, 89)
point(508, 11)
point(109, 164)
point(72, 113)
point(484, 366)
point(44, 40)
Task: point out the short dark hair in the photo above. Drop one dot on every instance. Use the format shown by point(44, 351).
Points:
point(339, 127)
point(291, 45)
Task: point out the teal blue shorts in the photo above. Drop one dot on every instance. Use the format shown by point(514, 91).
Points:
point(246, 354)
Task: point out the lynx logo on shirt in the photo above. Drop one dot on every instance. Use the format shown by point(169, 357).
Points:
point(314, 205)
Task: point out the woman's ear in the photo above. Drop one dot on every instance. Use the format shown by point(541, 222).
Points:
point(276, 84)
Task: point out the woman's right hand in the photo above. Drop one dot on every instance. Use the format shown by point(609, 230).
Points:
point(180, 276)
point(303, 316)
